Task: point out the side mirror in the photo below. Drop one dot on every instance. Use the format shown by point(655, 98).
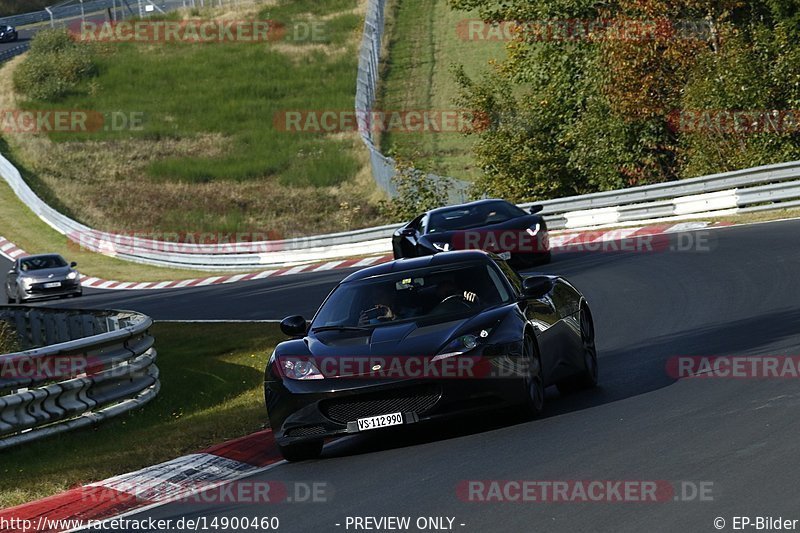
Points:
point(408, 232)
point(535, 209)
point(294, 326)
point(73, 264)
point(536, 286)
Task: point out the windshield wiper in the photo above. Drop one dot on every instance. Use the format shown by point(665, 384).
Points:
point(341, 328)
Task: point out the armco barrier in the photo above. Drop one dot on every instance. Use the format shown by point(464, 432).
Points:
point(760, 188)
point(77, 368)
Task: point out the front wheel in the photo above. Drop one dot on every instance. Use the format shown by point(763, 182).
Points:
point(534, 382)
point(587, 378)
point(301, 451)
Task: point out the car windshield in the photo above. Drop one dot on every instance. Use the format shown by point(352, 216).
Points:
point(42, 262)
point(434, 294)
point(475, 216)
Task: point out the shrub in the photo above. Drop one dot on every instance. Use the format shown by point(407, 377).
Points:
point(416, 193)
point(54, 67)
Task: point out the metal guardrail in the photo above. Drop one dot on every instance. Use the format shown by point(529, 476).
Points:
point(761, 188)
point(739, 190)
point(78, 368)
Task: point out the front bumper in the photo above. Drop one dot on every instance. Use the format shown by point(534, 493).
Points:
point(302, 411)
point(9, 37)
point(38, 290)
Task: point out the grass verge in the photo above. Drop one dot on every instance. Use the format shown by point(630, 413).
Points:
point(211, 391)
point(22, 227)
point(424, 42)
point(192, 141)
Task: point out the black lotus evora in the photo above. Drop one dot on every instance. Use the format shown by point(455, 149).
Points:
point(415, 340)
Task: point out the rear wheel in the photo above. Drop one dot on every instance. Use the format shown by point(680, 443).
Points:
point(301, 451)
point(587, 379)
point(534, 382)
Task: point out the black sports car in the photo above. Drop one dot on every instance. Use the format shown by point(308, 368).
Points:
point(493, 225)
point(8, 33)
point(419, 339)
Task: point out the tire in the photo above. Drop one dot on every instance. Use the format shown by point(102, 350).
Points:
point(534, 381)
point(9, 298)
point(587, 379)
point(301, 451)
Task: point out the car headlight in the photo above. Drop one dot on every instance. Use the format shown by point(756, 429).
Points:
point(442, 246)
point(300, 369)
point(463, 344)
point(72, 275)
point(26, 282)
point(534, 230)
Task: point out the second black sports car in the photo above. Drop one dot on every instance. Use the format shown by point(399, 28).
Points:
point(8, 33)
point(493, 225)
point(420, 339)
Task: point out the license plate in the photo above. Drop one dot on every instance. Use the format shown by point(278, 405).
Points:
point(505, 255)
point(52, 285)
point(381, 421)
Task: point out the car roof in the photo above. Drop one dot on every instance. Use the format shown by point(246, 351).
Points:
point(414, 263)
point(469, 204)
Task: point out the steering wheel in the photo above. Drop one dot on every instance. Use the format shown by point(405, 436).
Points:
point(457, 298)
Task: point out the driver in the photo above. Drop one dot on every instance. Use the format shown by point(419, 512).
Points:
point(382, 297)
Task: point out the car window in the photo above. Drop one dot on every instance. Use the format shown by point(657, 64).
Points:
point(511, 275)
point(42, 262)
point(434, 294)
point(474, 216)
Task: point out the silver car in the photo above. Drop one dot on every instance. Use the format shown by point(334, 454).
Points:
point(42, 276)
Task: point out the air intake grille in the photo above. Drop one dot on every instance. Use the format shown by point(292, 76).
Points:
point(306, 431)
point(344, 411)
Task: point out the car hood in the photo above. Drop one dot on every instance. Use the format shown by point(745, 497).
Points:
point(402, 340)
point(47, 274)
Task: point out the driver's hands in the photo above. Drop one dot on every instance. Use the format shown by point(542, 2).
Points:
point(379, 312)
point(471, 297)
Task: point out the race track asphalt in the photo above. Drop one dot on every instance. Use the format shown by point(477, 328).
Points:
point(736, 295)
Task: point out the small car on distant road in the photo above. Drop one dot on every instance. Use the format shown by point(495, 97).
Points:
point(42, 276)
point(8, 34)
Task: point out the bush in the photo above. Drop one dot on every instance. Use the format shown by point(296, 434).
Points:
point(581, 115)
point(54, 67)
point(416, 193)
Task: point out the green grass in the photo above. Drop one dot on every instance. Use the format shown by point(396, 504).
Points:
point(209, 155)
point(423, 46)
point(211, 391)
point(234, 90)
point(30, 233)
